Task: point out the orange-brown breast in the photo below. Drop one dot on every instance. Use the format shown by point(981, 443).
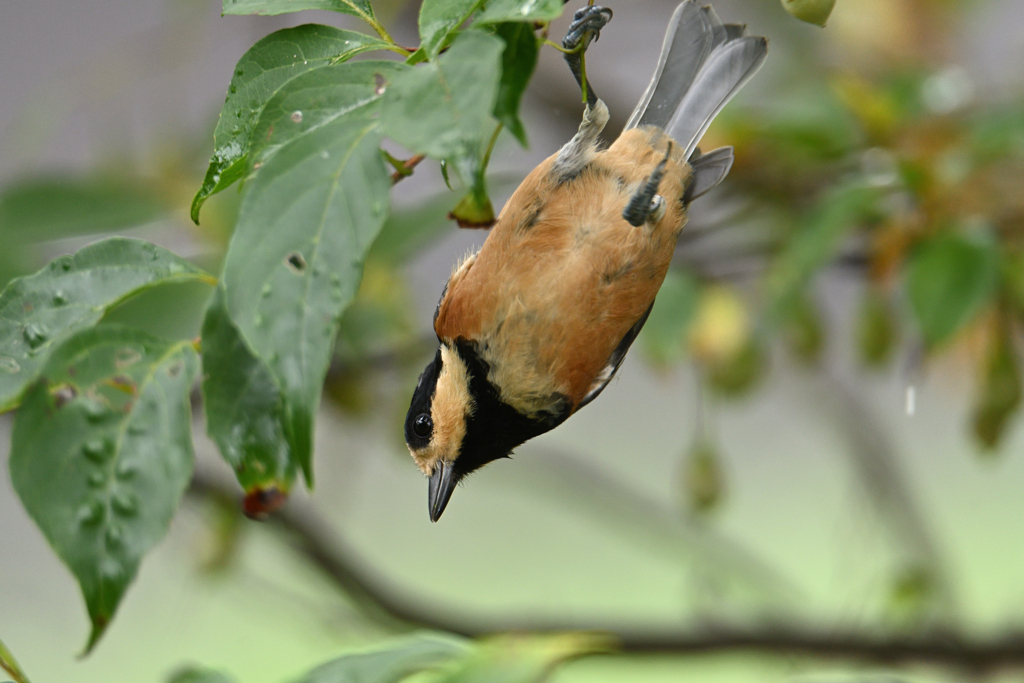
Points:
point(562, 277)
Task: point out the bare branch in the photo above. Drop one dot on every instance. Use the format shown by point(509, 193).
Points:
point(394, 608)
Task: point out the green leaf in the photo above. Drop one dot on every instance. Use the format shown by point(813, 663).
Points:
point(443, 109)
point(663, 338)
point(517, 64)
point(520, 659)
point(101, 454)
point(388, 664)
point(197, 675)
point(408, 231)
point(37, 312)
point(950, 278)
point(314, 99)
point(268, 65)
point(52, 208)
point(296, 257)
point(499, 11)
point(439, 18)
point(244, 412)
point(814, 243)
point(9, 664)
point(359, 8)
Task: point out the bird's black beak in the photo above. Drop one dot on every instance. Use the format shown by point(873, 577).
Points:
point(441, 487)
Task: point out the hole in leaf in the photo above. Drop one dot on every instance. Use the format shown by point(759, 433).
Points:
point(296, 262)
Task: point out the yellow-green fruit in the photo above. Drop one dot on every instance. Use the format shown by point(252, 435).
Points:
point(704, 480)
point(1000, 394)
point(812, 11)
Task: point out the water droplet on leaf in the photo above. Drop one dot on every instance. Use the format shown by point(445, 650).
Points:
point(297, 116)
point(35, 335)
point(91, 513)
point(96, 450)
point(114, 536)
point(124, 504)
point(125, 470)
point(126, 357)
point(94, 411)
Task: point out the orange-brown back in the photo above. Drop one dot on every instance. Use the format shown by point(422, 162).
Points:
point(562, 277)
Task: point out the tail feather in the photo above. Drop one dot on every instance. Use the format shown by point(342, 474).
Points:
point(703, 64)
point(686, 47)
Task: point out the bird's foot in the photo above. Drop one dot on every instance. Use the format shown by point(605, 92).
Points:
point(586, 26)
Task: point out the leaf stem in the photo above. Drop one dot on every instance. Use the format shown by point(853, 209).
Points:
point(10, 665)
point(490, 148)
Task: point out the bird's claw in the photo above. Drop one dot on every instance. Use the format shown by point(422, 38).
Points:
point(586, 26)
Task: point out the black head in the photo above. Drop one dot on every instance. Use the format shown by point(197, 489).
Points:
point(457, 422)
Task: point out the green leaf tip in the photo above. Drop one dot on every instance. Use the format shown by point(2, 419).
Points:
point(101, 454)
point(261, 72)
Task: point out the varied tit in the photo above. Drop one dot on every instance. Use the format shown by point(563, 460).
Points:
point(534, 325)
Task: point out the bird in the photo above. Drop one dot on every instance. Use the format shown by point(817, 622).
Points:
point(533, 326)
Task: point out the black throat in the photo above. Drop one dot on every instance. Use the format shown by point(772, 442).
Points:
point(495, 427)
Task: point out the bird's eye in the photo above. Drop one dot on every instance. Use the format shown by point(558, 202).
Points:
point(657, 209)
point(422, 426)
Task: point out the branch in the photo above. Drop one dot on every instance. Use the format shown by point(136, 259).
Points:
point(390, 606)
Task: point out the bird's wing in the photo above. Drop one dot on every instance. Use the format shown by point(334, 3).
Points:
point(614, 361)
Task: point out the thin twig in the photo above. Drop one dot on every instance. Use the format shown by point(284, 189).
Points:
point(407, 168)
point(394, 608)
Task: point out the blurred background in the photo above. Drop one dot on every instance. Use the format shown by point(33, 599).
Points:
point(783, 445)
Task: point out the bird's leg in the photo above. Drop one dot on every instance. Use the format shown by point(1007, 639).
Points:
point(646, 200)
point(585, 27)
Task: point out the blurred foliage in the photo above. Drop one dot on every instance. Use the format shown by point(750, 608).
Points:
point(892, 169)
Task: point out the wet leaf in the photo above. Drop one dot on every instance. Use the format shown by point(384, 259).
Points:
point(101, 454)
point(408, 231)
point(439, 18)
point(443, 109)
point(518, 61)
point(950, 278)
point(39, 311)
point(498, 11)
point(314, 99)
point(519, 659)
point(389, 664)
point(262, 70)
point(52, 208)
point(812, 11)
point(664, 336)
point(245, 413)
point(294, 263)
point(359, 8)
